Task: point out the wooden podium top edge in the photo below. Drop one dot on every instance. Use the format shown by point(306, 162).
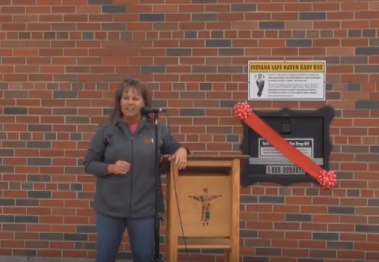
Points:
point(213, 157)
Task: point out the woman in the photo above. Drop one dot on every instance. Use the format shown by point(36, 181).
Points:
point(122, 157)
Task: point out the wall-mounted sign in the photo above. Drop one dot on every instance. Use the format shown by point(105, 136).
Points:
point(287, 80)
point(269, 154)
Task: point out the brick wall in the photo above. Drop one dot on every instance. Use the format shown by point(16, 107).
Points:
point(61, 59)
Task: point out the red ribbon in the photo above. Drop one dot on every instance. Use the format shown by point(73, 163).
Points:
point(243, 112)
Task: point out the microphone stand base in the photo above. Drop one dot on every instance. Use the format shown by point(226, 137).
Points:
point(157, 260)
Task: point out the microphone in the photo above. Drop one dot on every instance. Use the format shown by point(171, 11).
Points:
point(152, 110)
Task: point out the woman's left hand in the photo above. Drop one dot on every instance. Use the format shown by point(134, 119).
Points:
point(180, 158)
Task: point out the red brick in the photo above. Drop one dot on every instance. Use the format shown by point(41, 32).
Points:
point(43, 50)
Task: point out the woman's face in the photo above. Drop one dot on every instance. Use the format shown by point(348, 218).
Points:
point(131, 103)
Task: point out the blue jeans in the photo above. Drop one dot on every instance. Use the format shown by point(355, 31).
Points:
point(110, 231)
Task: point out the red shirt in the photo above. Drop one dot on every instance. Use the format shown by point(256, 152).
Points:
point(133, 127)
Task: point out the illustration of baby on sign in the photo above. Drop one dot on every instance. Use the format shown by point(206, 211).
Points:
point(260, 81)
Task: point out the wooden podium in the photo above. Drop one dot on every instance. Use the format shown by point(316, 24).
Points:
point(203, 203)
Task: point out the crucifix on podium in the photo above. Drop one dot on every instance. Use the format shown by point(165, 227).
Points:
point(205, 201)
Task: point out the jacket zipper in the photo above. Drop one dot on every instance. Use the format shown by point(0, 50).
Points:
point(131, 174)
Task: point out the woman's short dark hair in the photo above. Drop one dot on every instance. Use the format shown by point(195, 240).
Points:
point(116, 114)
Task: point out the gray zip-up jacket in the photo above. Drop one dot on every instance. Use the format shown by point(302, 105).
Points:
point(133, 194)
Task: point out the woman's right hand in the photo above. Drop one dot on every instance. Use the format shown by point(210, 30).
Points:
point(119, 168)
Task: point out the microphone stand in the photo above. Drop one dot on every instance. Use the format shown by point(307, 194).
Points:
point(158, 214)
